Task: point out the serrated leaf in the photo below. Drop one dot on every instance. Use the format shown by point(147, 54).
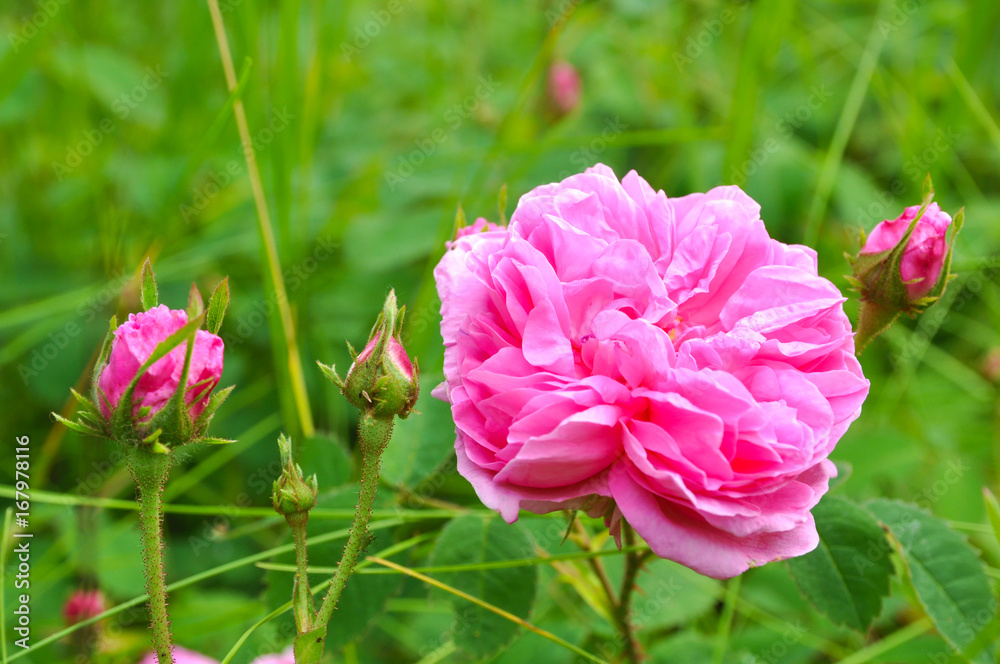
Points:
point(473, 539)
point(217, 306)
point(847, 575)
point(148, 295)
point(945, 572)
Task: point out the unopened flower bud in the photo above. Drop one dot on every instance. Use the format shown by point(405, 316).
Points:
point(903, 266)
point(83, 605)
point(292, 493)
point(564, 87)
point(382, 381)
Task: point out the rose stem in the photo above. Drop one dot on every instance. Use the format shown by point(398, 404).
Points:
point(149, 471)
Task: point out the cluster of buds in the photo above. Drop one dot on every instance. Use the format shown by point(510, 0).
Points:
point(153, 381)
point(382, 382)
point(293, 492)
point(903, 266)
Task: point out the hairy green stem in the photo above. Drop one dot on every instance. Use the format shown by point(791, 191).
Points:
point(149, 471)
point(374, 434)
point(302, 601)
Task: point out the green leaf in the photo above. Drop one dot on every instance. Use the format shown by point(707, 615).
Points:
point(217, 306)
point(946, 574)
point(473, 539)
point(79, 427)
point(149, 294)
point(847, 575)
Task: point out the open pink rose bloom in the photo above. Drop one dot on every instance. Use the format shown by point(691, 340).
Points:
point(136, 339)
point(653, 359)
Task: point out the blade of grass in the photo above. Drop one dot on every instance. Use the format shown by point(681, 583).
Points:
point(975, 104)
point(486, 605)
point(496, 564)
point(845, 126)
point(51, 498)
point(388, 551)
point(195, 578)
point(296, 377)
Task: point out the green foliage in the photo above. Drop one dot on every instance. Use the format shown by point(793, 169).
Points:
point(473, 539)
point(945, 572)
point(118, 143)
point(848, 574)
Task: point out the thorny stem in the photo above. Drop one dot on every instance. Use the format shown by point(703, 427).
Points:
point(149, 471)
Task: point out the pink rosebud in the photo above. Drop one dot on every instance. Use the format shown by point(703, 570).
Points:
point(479, 226)
point(991, 365)
point(181, 656)
point(133, 343)
point(658, 360)
point(924, 256)
point(83, 605)
point(382, 381)
point(564, 87)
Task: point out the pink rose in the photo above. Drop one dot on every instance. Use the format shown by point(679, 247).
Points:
point(925, 253)
point(658, 360)
point(564, 87)
point(135, 341)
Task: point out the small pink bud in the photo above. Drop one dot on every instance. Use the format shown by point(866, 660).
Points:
point(991, 365)
point(923, 258)
point(382, 381)
point(564, 87)
point(82, 605)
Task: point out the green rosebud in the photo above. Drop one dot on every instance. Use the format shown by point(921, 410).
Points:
point(293, 493)
point(382, 382)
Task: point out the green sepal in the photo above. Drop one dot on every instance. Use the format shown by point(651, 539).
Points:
point(214, 402)
point(460, 221)
point(331, 373)
point(215, 441)
point(149, 296)
point(217, 306)
point(102, 359)
point(196, 304)
point(79, 427)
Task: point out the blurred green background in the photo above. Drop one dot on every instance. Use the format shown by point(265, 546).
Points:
point(372, 122)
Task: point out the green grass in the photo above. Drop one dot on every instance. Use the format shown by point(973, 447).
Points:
point(829, 113)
